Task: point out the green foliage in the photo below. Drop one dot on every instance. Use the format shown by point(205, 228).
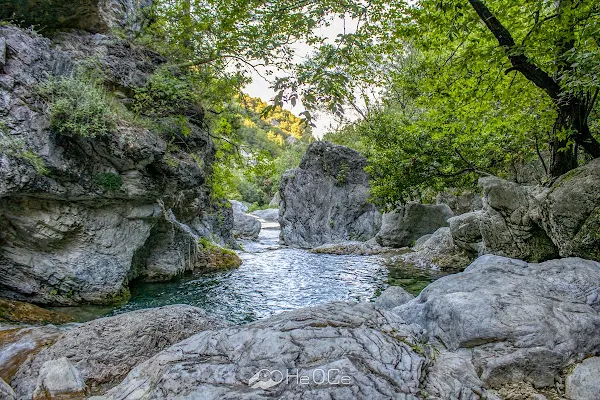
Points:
point(78, 107)
point(109, 180)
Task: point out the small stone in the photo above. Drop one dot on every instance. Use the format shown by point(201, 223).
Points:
point(59, 379)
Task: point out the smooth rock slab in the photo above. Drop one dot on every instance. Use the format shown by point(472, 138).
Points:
point(584, 382)
point(106, 349)
point(374, 349)
point(523, 322)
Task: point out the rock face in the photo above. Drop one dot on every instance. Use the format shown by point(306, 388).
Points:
point(438, 252)
point(520, 321)
point(325, 200)
point(104, 350)
point(91, 15)
point(66, 236)
point(570, 212)
point(408, 223)
point(582, 383)
point(370, 354)
point(534, 223)
point(506, 223)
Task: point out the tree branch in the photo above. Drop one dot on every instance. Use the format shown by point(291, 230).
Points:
point(519, 60)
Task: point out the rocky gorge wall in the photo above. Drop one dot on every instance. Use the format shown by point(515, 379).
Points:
point(80, 217)
point(325, 199)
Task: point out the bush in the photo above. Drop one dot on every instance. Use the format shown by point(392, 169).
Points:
point(78, 107)
point(109, 180)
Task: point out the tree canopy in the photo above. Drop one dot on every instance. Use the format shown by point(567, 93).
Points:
point(446, 90)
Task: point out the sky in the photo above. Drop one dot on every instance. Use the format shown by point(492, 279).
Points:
point(261, 88)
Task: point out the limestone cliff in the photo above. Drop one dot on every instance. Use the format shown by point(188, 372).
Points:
point(80, 217)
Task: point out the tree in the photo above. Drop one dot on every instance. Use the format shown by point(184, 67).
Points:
point(573, 107)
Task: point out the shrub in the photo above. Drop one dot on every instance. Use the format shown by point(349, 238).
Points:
point(78, 107)
point(109, 180)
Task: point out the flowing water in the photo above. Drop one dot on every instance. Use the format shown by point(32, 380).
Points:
point(273, 279)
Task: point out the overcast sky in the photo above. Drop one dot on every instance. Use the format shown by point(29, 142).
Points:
point(261, 88)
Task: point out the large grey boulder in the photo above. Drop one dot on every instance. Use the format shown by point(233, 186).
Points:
point(238, 206)
point(371, 354)
point(570, 212)
point(507, 222)
point(325, 200)
point(521, 322)
point(408, 223)
point(460, 203)
point(106, 349)
point(245, 226)
point(392, 297)
point(270, 214)
point(466, 232)
point(583, 383)
point(438, 252)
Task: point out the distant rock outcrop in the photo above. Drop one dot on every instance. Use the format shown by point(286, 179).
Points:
point(325, 199)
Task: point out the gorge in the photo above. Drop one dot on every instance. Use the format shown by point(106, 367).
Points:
point(126, 273)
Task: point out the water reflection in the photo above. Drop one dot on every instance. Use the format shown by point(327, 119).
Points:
point(271, 280)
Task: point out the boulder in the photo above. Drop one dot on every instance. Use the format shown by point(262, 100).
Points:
point(370, 247)
point(106, 349)
point(520, 321)
point(506, 222)
point(18, 344)
point(466, 232)
point(583, 382)
point(238, 206)
point(570, 212)
point(59, 379)
point(245, 226)
point(391, 297)
point(275, 200)
point(339, 350)
point(326, 199)
point(438, 252)
point(270, 214)
point(460, 203)
point(408, 223)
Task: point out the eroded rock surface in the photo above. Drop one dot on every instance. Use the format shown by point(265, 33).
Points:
point(522, 322)
point(67, 236)
point(325, 199)
point(245, 226)
point(438, 252)
point(408, 223)
point(104, 350)
point(583, 383)
point(375, 349)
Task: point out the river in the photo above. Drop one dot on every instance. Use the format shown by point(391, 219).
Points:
point(272, 279)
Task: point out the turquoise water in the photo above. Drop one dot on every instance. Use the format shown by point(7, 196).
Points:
point(271, 280)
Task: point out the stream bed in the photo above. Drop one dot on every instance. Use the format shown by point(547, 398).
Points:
point(272, 279)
